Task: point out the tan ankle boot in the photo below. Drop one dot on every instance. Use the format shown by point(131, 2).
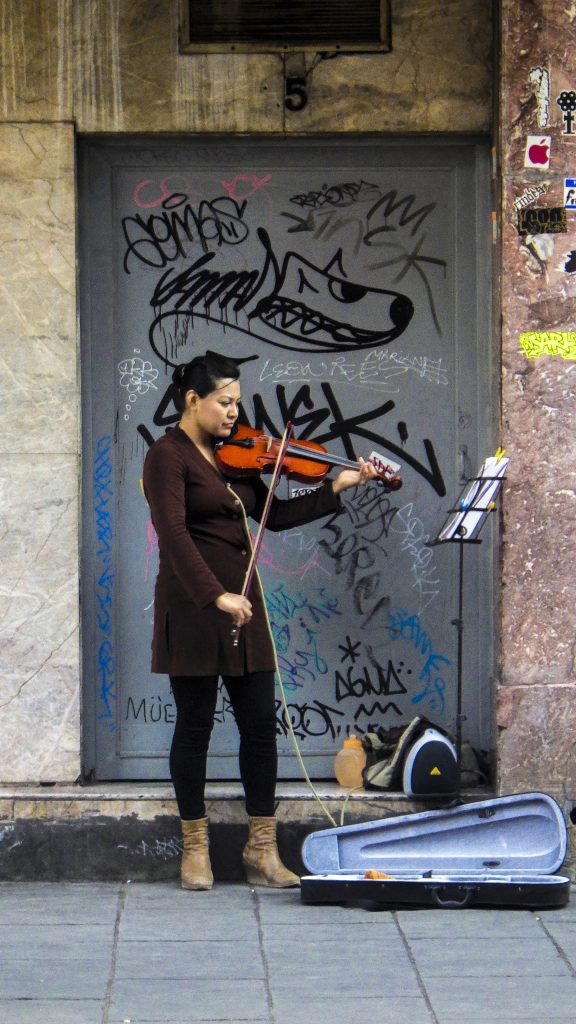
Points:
point(261, 859)
point(196, 872)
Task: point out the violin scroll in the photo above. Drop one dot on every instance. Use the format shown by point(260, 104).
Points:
point(387, 470)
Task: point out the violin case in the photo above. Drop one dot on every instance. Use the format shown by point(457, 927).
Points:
point(501, 852)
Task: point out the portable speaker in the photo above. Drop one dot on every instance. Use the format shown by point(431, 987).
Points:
point(430, 766)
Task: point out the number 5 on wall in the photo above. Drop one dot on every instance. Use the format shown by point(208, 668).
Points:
point(295, 92)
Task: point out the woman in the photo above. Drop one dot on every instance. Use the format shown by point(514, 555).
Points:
point(199, 517)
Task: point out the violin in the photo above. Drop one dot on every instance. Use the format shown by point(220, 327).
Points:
point(250, 452)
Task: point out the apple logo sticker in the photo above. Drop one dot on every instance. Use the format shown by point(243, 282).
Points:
point(538, 151)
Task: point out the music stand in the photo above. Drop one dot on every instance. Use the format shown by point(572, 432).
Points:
point(476, 502)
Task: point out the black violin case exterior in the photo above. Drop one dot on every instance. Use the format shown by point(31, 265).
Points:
point(501, 852)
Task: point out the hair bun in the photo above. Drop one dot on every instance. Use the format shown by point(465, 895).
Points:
point(178, 374)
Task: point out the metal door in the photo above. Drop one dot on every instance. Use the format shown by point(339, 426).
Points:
point(351, 278)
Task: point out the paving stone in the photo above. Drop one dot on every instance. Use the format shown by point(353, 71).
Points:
point(160, 926)
point(468, 958)
point(203, 959)
point(563, 914)
point(58, 903)
point(199, 1000)
point(286, 907)
point(509, 999)
point(229, 894)
point(48, 978)
point(438, 923)
point(377, 984)
point(336, 1008)
point(65, 941)
point(334, 934)
point(55, 1011)
point(331, 965)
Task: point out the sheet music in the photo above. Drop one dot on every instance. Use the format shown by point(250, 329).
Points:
point(476, 500)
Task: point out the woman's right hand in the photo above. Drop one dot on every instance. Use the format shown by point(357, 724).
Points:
point(237, 606)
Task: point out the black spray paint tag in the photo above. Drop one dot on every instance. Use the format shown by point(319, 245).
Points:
point(542, 221)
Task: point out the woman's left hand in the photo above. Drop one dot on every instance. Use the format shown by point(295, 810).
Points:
point(354, 477)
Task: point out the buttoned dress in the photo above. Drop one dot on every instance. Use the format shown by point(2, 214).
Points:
point(204, 551)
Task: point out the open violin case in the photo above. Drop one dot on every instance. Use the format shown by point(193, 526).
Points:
point(501, 852)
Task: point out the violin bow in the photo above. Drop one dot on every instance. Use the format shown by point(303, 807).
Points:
point(257, 543)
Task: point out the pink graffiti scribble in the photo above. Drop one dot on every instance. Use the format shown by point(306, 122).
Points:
point(151, 547)
point(253, 184)
point(267, 558)
point(166, 190)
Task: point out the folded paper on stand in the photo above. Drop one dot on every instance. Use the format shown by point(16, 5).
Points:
point(476, 500)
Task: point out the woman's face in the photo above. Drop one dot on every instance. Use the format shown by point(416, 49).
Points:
point(217, 412)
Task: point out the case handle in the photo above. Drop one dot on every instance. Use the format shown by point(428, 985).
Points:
point(450, 903)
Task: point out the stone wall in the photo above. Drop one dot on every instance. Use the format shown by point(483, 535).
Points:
point(88, 66)
point(537, 696)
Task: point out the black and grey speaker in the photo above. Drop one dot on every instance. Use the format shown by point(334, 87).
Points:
point(431, 766)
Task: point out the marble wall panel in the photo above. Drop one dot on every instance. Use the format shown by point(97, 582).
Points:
point(39, 474)
point(129, 76)
point(38, 341)
point(36, 60)
point(39, 616)
point(115, 66)
point(437, 78)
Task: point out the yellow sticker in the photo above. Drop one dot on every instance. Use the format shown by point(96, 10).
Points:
point(435, 771)
point(549, 343)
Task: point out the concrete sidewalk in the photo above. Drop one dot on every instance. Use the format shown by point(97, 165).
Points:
point(82, 953)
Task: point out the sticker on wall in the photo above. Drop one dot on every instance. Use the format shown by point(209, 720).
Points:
point(529, 195)
point(544, 220)
point(542, 248)
point(549, 343)
point(539, 79)
point(570, 193)
point(570, 265)
point(538, 151)
point(567, 103)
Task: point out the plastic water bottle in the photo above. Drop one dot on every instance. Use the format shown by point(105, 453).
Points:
point(349, 762)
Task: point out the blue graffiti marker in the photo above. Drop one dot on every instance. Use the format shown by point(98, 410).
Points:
point(409, 627)
point(104, 495)
point(292, 620)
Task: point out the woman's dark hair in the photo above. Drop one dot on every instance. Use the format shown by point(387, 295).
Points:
point(201, 375)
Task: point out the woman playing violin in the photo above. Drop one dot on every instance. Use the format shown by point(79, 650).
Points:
point(199, 517)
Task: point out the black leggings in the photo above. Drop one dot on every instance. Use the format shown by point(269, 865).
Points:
point(253, 701)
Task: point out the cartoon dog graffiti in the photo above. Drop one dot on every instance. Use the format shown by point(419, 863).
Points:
point(328, 311)
point(313, 309)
